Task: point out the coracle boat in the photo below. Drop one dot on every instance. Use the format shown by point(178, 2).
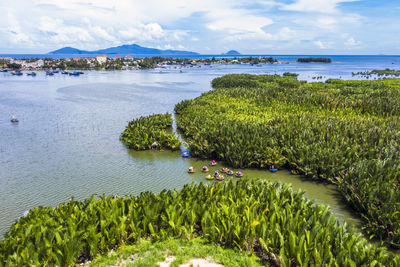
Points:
point(209, 177)
point(205, 169)
point(230, 173)
point(239, 174)
point(220, 178)
point(224, 170)
point(213, 163)
point(185, 155)
point(191, 170)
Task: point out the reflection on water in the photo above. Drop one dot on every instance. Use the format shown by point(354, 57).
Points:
point(66, 143)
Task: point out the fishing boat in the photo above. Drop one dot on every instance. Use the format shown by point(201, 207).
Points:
point(16, 73)
point(205, 169)
point(224, 170)
point(64, 72)
point(74, 73)
point(239, 174)
point(220, 178)
point(185, 155)
point(213, 163)
point(3, 70)
point(31, 73)
point(272, 167)
point(209, 177)
point(191, 170)
point(230, 173)
point(55, 71)
point(49, 73)
point(14, 119)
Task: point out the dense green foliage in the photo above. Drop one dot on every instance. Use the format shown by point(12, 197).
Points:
point(255, 60)
point(142, 133)
point(346, 132)
point(385, 72)
point(290, 74)
point(12, 66)
point(314, 59)
point(271, 220)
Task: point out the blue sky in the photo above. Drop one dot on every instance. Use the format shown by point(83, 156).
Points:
point(206, 26)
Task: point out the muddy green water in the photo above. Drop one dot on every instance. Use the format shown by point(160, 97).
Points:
point(67, 141)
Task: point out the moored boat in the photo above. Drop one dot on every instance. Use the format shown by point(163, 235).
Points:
point(224, 170)
point(230, 173)
point(31, 73)
point(220, 178)
point(213, 163)
point(191, 170)
point(239, 174)
point(209, 177)
point(16, 73)
point(272, 167)
point(205, 169)
point(14, 119)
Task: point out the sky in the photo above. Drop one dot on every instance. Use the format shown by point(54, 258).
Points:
point(325, 27)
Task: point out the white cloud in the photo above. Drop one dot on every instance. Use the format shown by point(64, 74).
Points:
point(203, 26)
point(320, 45)
point(351, 42)
point(322, 6)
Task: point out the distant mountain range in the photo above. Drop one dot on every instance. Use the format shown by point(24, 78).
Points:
point(123, 50)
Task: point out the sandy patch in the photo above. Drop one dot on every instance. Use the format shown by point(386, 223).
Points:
point(201, 263)
point(193, 262)
point(167, 261)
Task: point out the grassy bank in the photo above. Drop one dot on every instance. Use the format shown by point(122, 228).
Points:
point(344, 132)
point(278, 225)
point(175, 251)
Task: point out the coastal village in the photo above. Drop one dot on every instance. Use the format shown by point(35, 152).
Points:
point(128, 62)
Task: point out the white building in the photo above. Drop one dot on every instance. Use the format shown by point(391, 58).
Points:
point(101, 59)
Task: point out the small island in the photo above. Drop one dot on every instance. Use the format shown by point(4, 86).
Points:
point(232, 53)
point(314, 60)
point(151, 132)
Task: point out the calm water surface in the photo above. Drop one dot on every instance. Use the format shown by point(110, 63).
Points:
point(66, 144)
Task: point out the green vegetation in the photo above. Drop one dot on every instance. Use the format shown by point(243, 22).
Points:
point(8, 65)
point(290, 74)
point(314, 59)
point(150, 132)
point(268, 219)
point(255, 60)
point(385, 72)
point(147, 253)
point(344, 132)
